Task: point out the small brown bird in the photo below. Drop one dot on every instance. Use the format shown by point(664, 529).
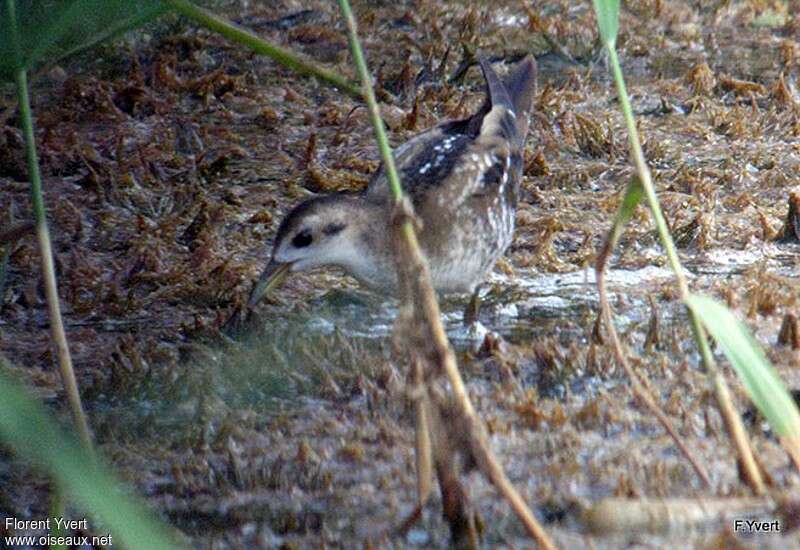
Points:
point(462, 177)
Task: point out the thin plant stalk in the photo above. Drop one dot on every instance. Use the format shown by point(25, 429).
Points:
point(276, 53)
point(639, 389)
point(732, 419)
point(43, 235)
point(652, 201)
point(423, 438)
point(428, 302)
point(759, 377)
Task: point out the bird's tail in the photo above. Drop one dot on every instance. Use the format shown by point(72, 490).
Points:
point(513, 94)
point(521, 86)
point(495, 88)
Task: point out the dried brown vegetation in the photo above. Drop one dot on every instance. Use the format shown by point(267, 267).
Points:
point(168, 165)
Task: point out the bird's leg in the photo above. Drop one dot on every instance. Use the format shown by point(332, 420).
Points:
point(473, 308)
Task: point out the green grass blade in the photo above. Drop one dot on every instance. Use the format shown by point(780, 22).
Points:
point(262, 47)
point(106, 29)
point(607, 12)
point(28, 429)
point(62, 38)
point(58, 508)
point(748, 360)
point(630, 200)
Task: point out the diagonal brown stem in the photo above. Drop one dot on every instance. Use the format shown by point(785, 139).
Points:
point(419, 298)
point(639, 389)
point(423, 436)
point(464, 421)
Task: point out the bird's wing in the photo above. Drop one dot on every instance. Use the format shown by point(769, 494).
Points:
point(472, 156)
point(423, 163)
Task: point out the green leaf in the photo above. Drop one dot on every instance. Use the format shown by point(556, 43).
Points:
point(630, 200)
point(28, 429)
point(607, 12)
point(50, 30)
point(246, 38)
point(748, 360)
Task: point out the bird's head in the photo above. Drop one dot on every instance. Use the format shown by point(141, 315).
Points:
point(317, 232)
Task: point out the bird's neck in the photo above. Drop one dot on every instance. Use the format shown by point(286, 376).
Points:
point(371, 258)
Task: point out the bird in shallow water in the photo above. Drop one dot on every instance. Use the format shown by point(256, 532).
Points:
point(462, 177)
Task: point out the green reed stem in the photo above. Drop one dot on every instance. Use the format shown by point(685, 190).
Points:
point(48, 269)
point(426, 300)
point(246, 38)
point(372, 103)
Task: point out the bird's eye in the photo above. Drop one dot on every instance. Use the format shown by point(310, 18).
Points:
point(302, 239)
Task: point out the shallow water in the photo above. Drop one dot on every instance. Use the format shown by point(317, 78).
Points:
point(278, 365)
point(512, 307)
point(531, 303)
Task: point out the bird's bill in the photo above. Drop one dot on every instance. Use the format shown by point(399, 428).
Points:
point(272, 277)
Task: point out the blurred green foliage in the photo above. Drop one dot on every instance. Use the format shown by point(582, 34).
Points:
point(28, 428)
point(50, 30)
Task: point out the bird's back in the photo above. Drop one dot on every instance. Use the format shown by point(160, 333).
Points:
point(452, 154)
